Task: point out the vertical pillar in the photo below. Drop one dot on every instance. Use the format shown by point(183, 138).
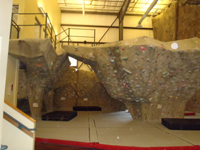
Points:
point(5, 19)
point(121, 30)
point(121, 15)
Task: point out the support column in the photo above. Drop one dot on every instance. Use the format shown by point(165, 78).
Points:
point(5, 19)
point(121, 30)
point(121, 14)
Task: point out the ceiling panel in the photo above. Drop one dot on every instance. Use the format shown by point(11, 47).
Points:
point(114, 6)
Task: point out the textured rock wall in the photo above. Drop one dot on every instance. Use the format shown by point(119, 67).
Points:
point(154, 79)
point(188, 21)
point(44, 67)
point(22, 84)
point(182, 22)
point(49, 81)
point(177, 22)
point(82, 88)
point(165, 24)
point(194, 103)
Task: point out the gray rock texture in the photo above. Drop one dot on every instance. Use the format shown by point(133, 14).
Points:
point(52, 85)
point(44, 67)
point(154, 79)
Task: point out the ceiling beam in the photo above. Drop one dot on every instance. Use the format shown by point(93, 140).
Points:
point(97, 13)
point(123, 10)
point(99, 26)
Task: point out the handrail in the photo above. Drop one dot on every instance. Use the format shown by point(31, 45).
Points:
point(19, 111)
point(48, 27)
point(18, 125)
point(68, 36)
point(15, 25)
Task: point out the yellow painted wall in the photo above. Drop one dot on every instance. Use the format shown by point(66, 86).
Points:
point(12, 80)
point(31, 6)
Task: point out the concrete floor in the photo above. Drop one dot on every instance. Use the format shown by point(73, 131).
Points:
point(117, 128)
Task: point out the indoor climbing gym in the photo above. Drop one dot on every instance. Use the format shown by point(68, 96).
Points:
point(100, 75)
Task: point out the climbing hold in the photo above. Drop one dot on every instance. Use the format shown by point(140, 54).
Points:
point(90, 55)
point(159, 106)
point(112, 60)
point(164, 74)
point(39, 65)
point(163, 47)
point(127, 71)
point(125, 58)
point(137, 86)
point(142, 48)
point(50, 64)
point(174, 46)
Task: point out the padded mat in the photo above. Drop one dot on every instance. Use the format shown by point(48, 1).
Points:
point(59, 116)
point(181, 124)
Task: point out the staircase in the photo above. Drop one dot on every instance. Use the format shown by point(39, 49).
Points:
point(18, 129)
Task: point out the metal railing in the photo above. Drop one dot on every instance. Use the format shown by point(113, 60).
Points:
point(49, 31)
point(14, 24)
point(47, 26)
point(69, 40)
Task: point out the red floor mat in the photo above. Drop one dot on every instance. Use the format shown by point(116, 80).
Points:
point(112, 147)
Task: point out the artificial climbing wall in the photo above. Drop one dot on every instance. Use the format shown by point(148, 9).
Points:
point(188, 27)
point(188, 21)
point(75, 88)
point(154, 79)
point(176, 23)
point(83, 88)
point(164, 25)
point(194, 103)
point(22, 84)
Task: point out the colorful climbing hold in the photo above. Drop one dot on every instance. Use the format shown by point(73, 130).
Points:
point(125, 58)
point(39, 65)
point(142, 48)
point(174, 46)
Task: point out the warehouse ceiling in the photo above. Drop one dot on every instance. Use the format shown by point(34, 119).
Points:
point(137, 7)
